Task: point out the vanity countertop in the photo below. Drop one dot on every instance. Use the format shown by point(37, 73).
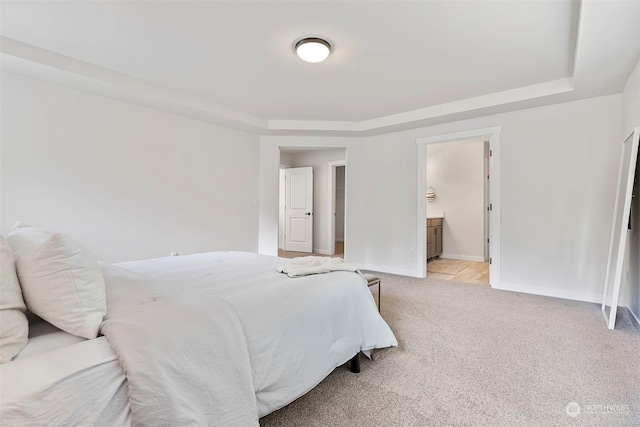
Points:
point(435, 214)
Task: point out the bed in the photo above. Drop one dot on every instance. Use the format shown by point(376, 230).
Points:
point(209, 339)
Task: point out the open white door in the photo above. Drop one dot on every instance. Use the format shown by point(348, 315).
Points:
point(298, 210)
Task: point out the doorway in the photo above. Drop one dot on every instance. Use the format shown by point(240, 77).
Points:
point(338, 246)
point(328, 166)
point(457, 178)
point(337, 214)
point(491, 195)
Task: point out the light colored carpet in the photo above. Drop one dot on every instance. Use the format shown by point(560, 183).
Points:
point(447, 266)
point(474, 356)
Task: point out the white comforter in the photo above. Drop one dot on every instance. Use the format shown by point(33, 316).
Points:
point(222, 338)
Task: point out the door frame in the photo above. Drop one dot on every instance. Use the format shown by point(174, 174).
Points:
point(486, 162)
point(281, 202)
point(493, 134)
point(332, 203)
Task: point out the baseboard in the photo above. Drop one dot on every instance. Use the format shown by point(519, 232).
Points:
point(321, 251)
point(552, 292)
point(513, 287)
point(340, 240)
point(634, 319)
point(390, 270)
point(463, 257)
point(281, 247)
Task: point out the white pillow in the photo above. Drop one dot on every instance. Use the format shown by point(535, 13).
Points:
point(14, 326)
point(61, 281)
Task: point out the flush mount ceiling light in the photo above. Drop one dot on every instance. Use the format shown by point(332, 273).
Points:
point(313, 49)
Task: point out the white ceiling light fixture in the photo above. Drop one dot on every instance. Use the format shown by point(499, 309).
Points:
point(313, 49)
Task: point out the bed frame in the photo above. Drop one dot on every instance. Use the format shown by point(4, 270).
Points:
point(355, 363)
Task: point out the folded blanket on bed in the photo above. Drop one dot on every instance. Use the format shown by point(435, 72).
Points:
point(304, 266)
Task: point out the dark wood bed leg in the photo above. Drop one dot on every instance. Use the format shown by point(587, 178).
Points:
point(355, 363)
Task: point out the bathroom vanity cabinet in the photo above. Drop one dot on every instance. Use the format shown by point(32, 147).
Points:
point(434, 237)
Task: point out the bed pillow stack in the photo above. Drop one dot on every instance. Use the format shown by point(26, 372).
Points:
point(61, 281)
point(14, 327)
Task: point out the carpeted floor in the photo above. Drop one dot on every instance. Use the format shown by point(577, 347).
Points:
point(474, 356)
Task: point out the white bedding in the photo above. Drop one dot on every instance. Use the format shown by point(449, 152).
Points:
point(43, 337)
point(203, 339)
point(78, 384)
point(295, 332)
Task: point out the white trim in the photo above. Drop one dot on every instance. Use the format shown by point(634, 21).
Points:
point(29, 60)
point(332, 198)
point(634, 319)
point(389, 270)
point(486, 200)
point(495, 226)
point(459, 136)
point(320, 252)
point(462, 257)
point(552, 292)
point(281, 242)
point(493, 134)
point(26, 59)
point(478, 104)
point(421, 116)
point(421, 213)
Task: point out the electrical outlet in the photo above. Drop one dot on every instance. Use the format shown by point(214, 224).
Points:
point(174, 253)
point(412, 252)
point(394, 251)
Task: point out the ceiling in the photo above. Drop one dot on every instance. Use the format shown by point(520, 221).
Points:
point(395, 64)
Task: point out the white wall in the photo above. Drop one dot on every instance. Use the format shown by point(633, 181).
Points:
point(286, 159)
point(456, 172)
point(127, 181)
point(131, 182)
point(631, 119)
point(631, 101)
point(559, 173)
